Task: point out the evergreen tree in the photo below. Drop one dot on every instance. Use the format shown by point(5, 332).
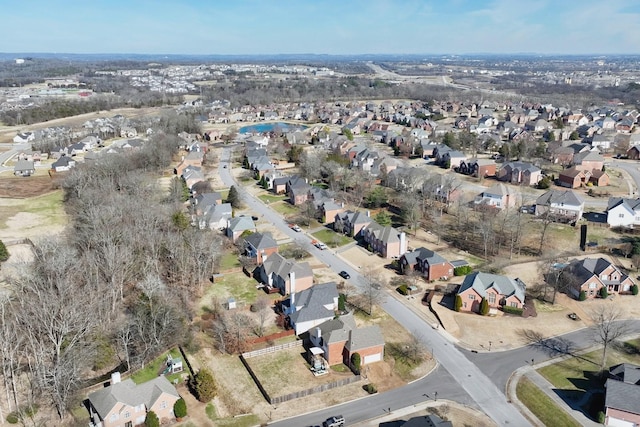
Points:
point(203, 385)
point(484, 307)
point(180, 408)
point(383, 218)
point(151, 420)
point(233, 197)
point(458, 304)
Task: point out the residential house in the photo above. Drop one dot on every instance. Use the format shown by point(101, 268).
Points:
point(385, 241)
point(633, 153)
point(340, 338)
point(260, 246)
point(329, 209)
point(238, 225)
point(453, 159)
point(560, 205)
point(285, 275)
point(622, 396)
point(214, 217)
point(573, 178)
point(24, 137)
point(520, 173)
point(429, 263)
point(126, 404)
point(351, 223)
point(204, 201)
point(64, 163)
point(192, 175)
point(480, 168)
point(623, 212)
point(498, 196)
point(599, 178)
point(588, 161)
point(425, 421)
point(297, 190)
point(24, 168)
point(602, 142)
point(496, 289)
point(311, 307)
point(592, 274)
point(280, 185)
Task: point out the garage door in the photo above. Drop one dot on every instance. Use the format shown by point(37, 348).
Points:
point(373, 358)
point(614, 422)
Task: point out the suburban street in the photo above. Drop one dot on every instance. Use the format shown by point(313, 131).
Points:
point(483, 392)
point(470, 378)
point(12, 151)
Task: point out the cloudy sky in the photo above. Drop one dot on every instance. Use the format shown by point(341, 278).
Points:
point(321, 26)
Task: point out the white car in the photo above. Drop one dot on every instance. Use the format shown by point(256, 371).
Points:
point(295, 227)
point(321, 246)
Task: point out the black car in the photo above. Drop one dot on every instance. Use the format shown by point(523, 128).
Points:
point(344, 275)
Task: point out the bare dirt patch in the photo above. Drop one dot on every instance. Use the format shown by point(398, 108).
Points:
point(25, 187)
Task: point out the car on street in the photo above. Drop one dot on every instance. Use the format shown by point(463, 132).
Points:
point(344, 275)
point(295, 227)
point(322, 246)
point(335, 421)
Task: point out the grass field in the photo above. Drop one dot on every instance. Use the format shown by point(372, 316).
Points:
point(542, 406)
point(331, 238)
point(48, 208)
point(271, 198)
point(284, 208)
point(236, 285)
point(229, 260)
point(152, 369)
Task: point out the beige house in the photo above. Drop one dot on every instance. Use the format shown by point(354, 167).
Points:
point(125, 403)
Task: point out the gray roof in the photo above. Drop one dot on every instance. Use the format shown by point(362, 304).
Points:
point(627, 372)
point(282, 267)
point(499, 190)
point(129, 393)
point(217, 212)
point(559, 197)
point(631, 204)
point(522, 166)
point(367, 337)
point(241, 223)
point(481, 282)
point(261, 241)
point(623, 396)
point(204, 200)
point(426, 421)
point(337, 330)
point(424, 255)
point(588, 267)
point(312, 301)
point(23, 165)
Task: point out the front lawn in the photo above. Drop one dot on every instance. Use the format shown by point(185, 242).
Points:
point(153, 369)
point(542, 406)
point(331, 238)
point(229, 260)
point(272, 198)
point(284, 208)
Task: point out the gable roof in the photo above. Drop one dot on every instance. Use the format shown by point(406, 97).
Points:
point(499, 190)
point(337, 330)
point(482, 282)
point(631, 204)
point(129, 393)
point(311, 302)
point(588, 267)
point(261, 241)
point(627, 372)
point(282, 267)
point(623, 396)
point(362, 338)
point(559, 197)
point(425, 255)
point(241, 223)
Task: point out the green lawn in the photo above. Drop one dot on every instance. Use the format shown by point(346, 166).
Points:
point(152, 369)
point(331, 238)
point(285, 208)
point(49, 206)
point(271, 198)
point(236, 285)
point(229, 260)
point(581, 373)
point(542, 406)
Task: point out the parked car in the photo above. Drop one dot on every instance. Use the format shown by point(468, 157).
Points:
point(295, 227)
point(335, 421)
point(344, 275)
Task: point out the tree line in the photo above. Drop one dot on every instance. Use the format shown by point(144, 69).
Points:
point(113, 290)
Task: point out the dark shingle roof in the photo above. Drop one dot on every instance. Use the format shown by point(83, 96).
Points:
point(623, 396)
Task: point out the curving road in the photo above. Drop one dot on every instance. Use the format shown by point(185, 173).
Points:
point(482, 391)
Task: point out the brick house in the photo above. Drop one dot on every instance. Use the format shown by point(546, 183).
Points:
point(498, 290)
point(430, 264)
point(622, 396)
point(351, 223)
point(125, 403)
point(480, 168)
point(562, 206)
point(285, 275)
point(310, 307)
point(592, 274)
point(572, 178)
point(260, 246)
point(385, 241)
point(340, 338)
point(298, 190)
point(520, 173)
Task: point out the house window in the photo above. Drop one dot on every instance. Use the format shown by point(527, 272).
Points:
point(128, 424)
point(472, 297)
point(621, 215)
point(491, 298)
point(514, 304)
point(127, 414)
point(163, 404)
point(114, 417)
point(592, 285)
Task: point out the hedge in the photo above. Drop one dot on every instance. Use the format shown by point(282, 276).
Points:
point(512, 310)
point(403, 289)
point(463, 270)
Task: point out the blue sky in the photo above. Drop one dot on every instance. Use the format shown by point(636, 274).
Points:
point(321, 26)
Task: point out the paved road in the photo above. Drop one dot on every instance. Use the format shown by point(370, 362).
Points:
point(12, 151)
point(482, 390)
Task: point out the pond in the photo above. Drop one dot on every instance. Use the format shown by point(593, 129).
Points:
point(268, 127)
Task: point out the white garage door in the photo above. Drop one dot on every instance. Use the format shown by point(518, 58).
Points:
point(372, 358)
point(614, 422)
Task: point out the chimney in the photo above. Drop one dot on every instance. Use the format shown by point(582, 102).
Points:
point(368, 214)
point(403, 243)
point(318, 333)
point(115, 378)
point(292, 286)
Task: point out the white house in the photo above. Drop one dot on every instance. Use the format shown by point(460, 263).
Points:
point(563, 206)
point(623, 212)
point(24, 137)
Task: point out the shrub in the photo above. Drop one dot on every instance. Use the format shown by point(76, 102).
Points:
point(4, 253)
point(151, 420)
point(512, 310)
point(180, 408)
point(603, 292)
point(203, 386)
point(583, 295)
point(484, 307)
point(458, 303)
point(463, 270)
point(342, 302)
point(601, 417)
point(356, 361)
point(370, 388)
point(403, 289)
point(13, 418)
point(634, 289)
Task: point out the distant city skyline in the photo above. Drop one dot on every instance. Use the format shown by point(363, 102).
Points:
point(334, 27)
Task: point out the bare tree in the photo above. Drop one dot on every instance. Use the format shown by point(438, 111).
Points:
point(261, 307)
point(371, 291)
point(607, 327)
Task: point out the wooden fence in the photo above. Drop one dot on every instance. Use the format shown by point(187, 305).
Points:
point(275, 336)
point(314, 390)
point(269, 350)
